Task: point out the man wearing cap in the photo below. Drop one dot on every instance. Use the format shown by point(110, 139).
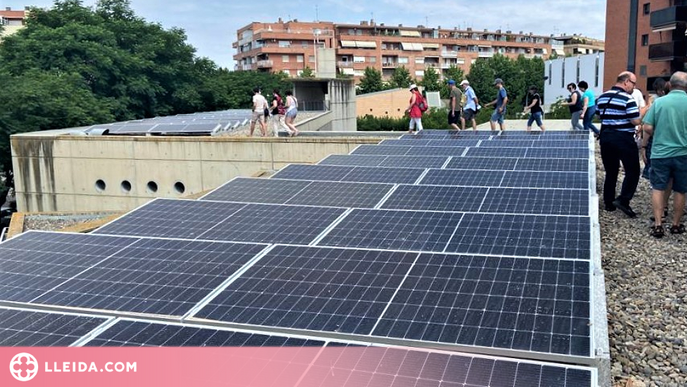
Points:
point(414, 111)
point(501, 102)
point(471, 103)
point(455, 106)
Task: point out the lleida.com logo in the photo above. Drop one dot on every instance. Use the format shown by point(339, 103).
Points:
point(24, 367)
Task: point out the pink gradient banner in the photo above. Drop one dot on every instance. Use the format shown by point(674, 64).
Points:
point(209, 366)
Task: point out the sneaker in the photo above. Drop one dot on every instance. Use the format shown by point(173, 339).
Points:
point(625, 208)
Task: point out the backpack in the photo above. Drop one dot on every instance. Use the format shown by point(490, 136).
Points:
point(422, 104)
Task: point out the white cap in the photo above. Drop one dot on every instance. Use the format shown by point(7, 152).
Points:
point(464, 82)
point(413, 86)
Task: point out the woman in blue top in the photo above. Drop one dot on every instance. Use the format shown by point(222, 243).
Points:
point(588, 107)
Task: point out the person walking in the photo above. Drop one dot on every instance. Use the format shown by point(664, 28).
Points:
point(535, 109)
point(619, 116)
point(470, 108)
point(278, 111)
point(414, 110)
point(291, 113)
point(455, 106)
point(500, 105)
point(574, 103)
point(588, 107)
point(669, 152)
point(259, 107)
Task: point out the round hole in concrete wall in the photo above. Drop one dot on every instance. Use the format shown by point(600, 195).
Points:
point(126, 186)
point(179, 187)
point(100, 185)
point(152, 187)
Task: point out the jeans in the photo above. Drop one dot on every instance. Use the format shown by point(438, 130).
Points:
point(535, 117)
point(575, 120)
point(619, 147)
point(587, 120)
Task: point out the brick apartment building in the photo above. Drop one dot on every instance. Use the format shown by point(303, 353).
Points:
point(11, 21)
point(646, 37)
point(290, 47)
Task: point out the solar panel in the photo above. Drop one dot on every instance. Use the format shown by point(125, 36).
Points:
point(570, 180)
point(335, 194)
point(126, 333)
point(487, 163)
point(503, 143)
point(313, 172)
point(436, 198)
point(558, 153)
point(463, 177)
point(257, 190)
point(395, 230)
point(274, 224)
point(563, 165)
point(381, 150)
point(353, 160)
point(381, 366)
point(414, 161)
point(335, 290)
point(36, 262)
point(157, 276)
point(384, 175)
point(536, 201)
point(436, 151)
point(515, 303)
point(496, 152)
point(24, 328)
point(561, 144)
point(169, 218)
point(431, 141)
point(522, 235)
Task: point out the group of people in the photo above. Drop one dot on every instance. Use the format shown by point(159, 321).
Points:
point(463, 106)
point(278, 110)
point(582, 104)
point(660, 129)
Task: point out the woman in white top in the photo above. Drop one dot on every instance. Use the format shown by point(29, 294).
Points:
point(291, 113)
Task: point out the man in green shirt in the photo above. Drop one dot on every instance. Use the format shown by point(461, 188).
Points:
point(455, 106)
point(667, 122)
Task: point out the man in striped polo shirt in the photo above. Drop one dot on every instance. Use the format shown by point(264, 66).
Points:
point(619, 117)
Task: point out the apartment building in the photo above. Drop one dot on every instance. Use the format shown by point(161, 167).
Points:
point(11, 21)
point(290, 47)
point(646, 37)
point(571, 45)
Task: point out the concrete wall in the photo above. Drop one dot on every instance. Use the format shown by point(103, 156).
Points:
point(392, 103)
point(88, 173)
point(342, 103)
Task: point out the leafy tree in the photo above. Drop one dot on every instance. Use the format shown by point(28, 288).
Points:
point(371, 81)
point(455, 73)
point(307, 73)
point(430, 80)
point(400, 78)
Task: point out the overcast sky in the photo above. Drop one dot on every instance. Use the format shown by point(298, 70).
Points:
point(211, 24)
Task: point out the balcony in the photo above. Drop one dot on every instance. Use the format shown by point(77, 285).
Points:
point(247, 67)
point(449, 54)
point(264, 64)
point(668, 51)
point(667, 18)
point(342, 64)
point(389, 64)
point(485, 54)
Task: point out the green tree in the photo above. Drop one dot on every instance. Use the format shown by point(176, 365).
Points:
point(430, 80)
point(455, 73)
point(307, 73)
point(371, 81)
point(400, 78)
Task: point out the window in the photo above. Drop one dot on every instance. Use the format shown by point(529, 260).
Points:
point(285, 58)
point(311, 58)
point(596, 72)
point(305, 44)
point(299, 58)
point(642, 71)
point(420, 60)
point(550, 72)
point(402, 60)
point(284, 43)
point(645, 40)
point(372, 59)
point(419, 73)
point(358, 59)
point(647, 8)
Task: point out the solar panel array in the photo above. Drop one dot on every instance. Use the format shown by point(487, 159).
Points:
point(442, 241)
point(196, 124)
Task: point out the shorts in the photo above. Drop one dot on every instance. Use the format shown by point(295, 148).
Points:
point(662, 170)
point(498, 117)
point(258, 117)
point(469, 114)
point(535, 117)
point(455, 118)
point(291, 113)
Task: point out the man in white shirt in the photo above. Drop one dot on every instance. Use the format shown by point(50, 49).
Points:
point(259, 106)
